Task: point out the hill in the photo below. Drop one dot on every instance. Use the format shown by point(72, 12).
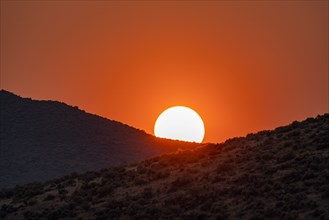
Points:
point(279, 174)
point(42, 140)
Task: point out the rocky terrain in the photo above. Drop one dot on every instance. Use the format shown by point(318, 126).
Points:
point(279, 174)
point(42, 140)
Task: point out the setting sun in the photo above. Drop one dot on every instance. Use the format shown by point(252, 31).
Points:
point(180, 123)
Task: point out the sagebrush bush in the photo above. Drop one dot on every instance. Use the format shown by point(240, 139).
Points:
point(49, 197)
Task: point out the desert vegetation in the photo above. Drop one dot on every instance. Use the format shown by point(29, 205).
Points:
point(279, 174)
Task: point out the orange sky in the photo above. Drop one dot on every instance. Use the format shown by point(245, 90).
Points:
point(243, 66)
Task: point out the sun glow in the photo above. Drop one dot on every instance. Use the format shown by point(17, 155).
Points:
point(180, 123)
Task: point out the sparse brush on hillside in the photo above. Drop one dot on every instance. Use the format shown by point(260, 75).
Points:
point(279, 174)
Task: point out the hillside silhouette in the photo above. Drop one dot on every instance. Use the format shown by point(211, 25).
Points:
point(42, 140)
point(279, 174)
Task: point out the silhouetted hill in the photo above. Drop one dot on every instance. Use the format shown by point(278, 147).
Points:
point(42, 140)
point(279, 174)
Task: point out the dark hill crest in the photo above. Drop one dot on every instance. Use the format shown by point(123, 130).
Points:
point(42, 140)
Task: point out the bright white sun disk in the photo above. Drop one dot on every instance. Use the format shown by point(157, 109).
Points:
point(180, 123)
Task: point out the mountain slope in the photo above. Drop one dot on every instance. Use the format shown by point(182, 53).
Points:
point(279, 174)
point(42, 140)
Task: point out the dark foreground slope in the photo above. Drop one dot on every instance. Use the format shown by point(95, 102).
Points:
point(280, 174)
point(42, 140)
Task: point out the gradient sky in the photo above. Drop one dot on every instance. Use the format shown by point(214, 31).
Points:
point(244, 66)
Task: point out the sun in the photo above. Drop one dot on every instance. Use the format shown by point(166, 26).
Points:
point(180, 123)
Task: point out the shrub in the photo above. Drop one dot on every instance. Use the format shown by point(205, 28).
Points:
point(28, 191)
point(62, 191)
point(195, 214)
point(180, 182)
point(161, 174)
point(105, 190)
point(6, 193)
point(282, 129)
point(49, 197)
point(32, 202)
point(85, 205)
point(287, 156)
point(140, 181)
point(325, 194)
point(30, 215)
point(147, 193)
point(2, 214)
point(224, 167)
point(142, 169)
point(294, 133)
point(89, 176)
point(218, 178)
point(60, 213)
point(317, 213)
point(70, 182)
point(288, 144)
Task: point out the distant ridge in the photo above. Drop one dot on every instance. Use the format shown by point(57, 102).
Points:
point(41, 140)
